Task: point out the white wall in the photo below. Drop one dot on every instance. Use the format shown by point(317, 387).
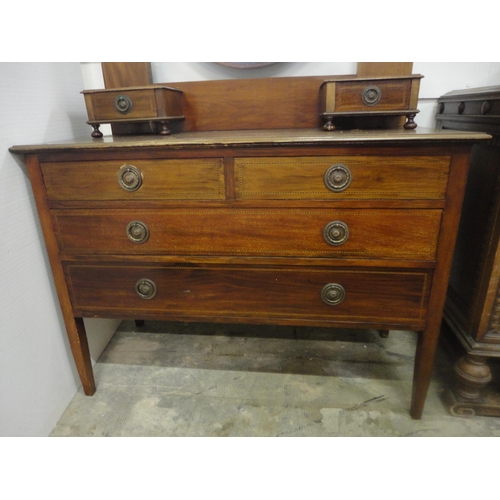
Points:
point(194, 71)
point(39, 102)
point(439, 77)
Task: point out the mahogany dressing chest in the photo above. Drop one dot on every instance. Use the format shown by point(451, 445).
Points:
point(285, 226)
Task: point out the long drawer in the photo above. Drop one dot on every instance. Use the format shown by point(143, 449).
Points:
point(383, 234)
point(242, 292)
point(342, 177)
point(189, 179)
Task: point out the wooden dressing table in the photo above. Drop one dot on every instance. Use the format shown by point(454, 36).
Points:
point(269, 226)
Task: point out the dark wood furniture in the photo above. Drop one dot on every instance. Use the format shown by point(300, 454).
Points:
point(285, 226)
point(473, 304)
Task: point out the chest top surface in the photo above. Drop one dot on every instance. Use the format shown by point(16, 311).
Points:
point(257, 138)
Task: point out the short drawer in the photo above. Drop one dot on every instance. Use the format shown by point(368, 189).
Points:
point(278, 293)
point(199, 179)
point(364, 95)
point(342, 177)
point(133, 103)
point(382, 234)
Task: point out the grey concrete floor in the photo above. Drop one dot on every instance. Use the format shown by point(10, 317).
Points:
point(190, 379)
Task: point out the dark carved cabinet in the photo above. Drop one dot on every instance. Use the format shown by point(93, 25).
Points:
point(472, 310)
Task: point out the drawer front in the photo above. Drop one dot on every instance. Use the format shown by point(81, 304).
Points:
point(124, 105)
point(373, 95)
point(383, 234)
point(199, 179)
point(278, 293)
point(342, 177)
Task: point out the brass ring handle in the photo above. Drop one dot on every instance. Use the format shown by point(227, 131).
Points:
point(146, 289)
point(123, 104)
point(336, 233)
point(129, 178)
point(337, 177)
point(333, 294)
point(137, 231)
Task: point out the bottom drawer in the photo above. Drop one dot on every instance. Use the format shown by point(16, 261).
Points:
point(278, 294)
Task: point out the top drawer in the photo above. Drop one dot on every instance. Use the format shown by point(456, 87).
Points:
point(198, 179)
point(342, 177)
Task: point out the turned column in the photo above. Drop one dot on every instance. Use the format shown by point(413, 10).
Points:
point(473, 374)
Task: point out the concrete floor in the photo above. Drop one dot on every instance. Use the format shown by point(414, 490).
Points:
point(244, 380)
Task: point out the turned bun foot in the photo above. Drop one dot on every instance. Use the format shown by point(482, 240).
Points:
point(96, 133)
point(329, 125)
point(410, 124)
point(164, 129)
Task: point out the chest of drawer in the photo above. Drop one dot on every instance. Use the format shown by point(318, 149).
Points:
point(282, 293)
point(348, 229)
point(383, 234)
point(342, 177)
point(183, 179)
